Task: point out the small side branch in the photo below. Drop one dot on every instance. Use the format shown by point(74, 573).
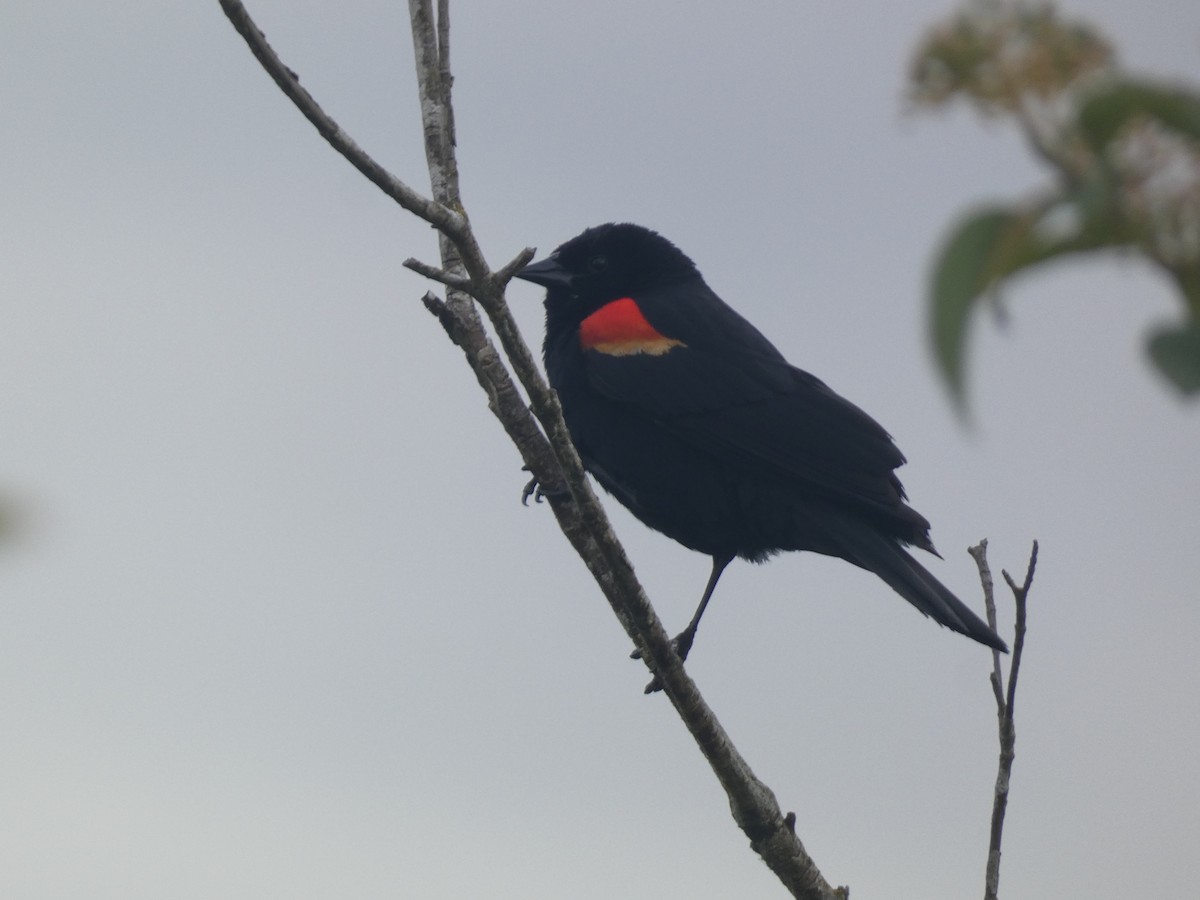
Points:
point(1005, 701)
point(433, 273)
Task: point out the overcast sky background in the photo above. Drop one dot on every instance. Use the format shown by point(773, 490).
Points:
point(274, 622)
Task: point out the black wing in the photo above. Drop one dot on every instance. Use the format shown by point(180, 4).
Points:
point(728, 391)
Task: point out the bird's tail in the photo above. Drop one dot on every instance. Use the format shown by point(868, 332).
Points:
point(910, 580)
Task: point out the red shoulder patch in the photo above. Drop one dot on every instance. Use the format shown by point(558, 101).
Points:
point(620, 329)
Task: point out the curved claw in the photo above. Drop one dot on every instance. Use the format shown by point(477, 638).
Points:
point(533, 488)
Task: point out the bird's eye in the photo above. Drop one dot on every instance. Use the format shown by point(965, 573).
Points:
point(597, 264)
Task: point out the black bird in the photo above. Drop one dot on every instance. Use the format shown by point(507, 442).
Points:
point(685, 413)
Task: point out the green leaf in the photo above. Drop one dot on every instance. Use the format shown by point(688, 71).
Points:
point(1109, 108)
point(1176, 352)
point(994, 243)
point(963, 272)
point(987, 246)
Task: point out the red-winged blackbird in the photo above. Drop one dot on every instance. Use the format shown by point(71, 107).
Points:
point(693, 420)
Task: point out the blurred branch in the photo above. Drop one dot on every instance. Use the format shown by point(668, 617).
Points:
point(1005, 700)
point(547, 451)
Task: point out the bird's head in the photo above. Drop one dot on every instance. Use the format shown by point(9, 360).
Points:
point(606, 263)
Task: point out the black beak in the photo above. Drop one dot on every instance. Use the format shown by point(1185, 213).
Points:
point(548, 273)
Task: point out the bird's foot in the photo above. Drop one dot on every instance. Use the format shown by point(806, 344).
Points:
point(533, 488)
point(681, 644)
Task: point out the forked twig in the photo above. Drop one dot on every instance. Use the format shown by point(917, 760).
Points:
point(1005, 700)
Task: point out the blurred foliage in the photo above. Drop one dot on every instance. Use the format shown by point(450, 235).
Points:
point(1125, 153)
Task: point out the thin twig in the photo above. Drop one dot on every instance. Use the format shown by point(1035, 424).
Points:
point(506, 272)
point(979, 554)
point(433, 273)
point(1020, 594)
point(1005, 703)
point(445, 77)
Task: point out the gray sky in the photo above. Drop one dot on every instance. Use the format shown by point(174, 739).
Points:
point(274, 623)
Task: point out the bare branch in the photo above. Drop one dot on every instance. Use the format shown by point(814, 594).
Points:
point(433, 273)
point(1020, 594)
point(1004, 704)
point(550, 456)
point(979, 554)
point(434, 92)
point(446, 79)
point(506, 272)
point(496, 283)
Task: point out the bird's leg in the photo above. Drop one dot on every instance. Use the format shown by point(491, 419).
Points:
point(682, 642)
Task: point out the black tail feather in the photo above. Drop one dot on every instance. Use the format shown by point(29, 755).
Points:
point(914, 583)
